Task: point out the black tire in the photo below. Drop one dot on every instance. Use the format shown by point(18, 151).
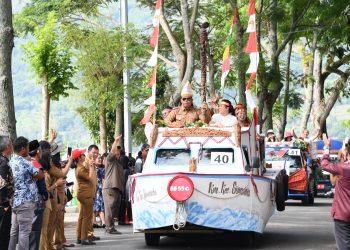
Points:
point(285, 183)
point(280, 197)
point(152, 239)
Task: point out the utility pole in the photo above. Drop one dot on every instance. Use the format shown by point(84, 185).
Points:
point(127, 115)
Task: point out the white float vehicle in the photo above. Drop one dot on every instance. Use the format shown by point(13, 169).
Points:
point(204, 180)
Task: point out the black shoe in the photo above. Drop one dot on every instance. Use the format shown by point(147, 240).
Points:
point(96, 226)
point(103, 225)
point(78, 241)
point(94, 238)
point(87, 242)
point(113, 231)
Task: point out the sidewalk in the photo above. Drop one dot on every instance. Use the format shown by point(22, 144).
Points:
point(71, 218)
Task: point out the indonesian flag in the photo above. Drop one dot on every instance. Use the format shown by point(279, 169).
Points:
point(226, 60)
point(153, 79)
point(154, 37)
point(148, 113)
point(152, 62)
point(252, 50)
point(151, 102)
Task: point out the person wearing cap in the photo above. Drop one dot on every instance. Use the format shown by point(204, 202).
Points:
point(34, 238)
point(26, 194)
point(187, 113)
point(85, 195)
point(341, 202)
point(241, 115)
point(6, 190)
point(225, 117)
point(270, 136)
point(113, 186)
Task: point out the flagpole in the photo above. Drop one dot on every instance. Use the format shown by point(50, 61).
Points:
point(127, 115)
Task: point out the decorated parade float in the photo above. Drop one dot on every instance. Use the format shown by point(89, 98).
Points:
point(201, 179)
point(298, 169)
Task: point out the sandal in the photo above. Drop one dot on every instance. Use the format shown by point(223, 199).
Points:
point(68, 245)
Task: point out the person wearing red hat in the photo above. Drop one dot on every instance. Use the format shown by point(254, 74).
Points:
point(85, 195)
point(288, 137)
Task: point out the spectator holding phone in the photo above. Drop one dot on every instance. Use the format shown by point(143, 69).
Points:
point(341, 202)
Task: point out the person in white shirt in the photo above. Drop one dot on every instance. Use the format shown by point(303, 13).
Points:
point(225, 117)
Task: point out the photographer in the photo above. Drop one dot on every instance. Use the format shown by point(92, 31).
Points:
point(341, 202)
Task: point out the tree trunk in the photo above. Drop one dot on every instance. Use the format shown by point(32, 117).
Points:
point(119, 125)
point(45, 110)
point(103, 128)
point(203, 58)
point(318, 89)
point(268, 124)
point(240, 55)
point(211, 66)
point(309, 81)
point(7, 107)
point(286, 92)
point(240, 65)
point(188, 42)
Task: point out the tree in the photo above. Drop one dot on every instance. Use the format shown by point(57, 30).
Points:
point(51, 63)
point(100, 59)
point(178, 15)
point(277, 16)
point(7, 107)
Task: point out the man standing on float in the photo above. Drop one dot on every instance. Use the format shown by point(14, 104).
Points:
point(186, 113)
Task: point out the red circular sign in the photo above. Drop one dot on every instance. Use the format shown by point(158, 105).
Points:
point(180, 188)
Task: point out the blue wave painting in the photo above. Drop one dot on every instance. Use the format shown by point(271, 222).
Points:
point(154, 217)
point(228, 219)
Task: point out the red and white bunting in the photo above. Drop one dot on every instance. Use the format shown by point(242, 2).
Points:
point(252, 49)
point(153, 63)
point(148, 113)
point(153, 79)
point(156, 18)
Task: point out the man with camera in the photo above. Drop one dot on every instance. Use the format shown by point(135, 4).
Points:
point(341, 202)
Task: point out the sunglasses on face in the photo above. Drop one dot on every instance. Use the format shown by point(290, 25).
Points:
point(187, 99)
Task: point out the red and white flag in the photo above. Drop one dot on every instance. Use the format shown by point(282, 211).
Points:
point(252, 50)
point(151, 101)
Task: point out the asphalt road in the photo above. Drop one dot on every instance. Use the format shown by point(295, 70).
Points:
point(298, 227)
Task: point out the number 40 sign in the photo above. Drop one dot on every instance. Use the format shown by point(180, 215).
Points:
point(221, 158)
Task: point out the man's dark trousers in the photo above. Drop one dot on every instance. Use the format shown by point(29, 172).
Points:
point(5, 228)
